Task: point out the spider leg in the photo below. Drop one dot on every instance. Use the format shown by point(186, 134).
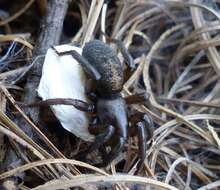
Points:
point(103, 152)
point(99, 140)
point(142, 138)
point(78, 104)
point(137, 98)
point(90, 90)
point(113, 153)
point(124, 51)
point(144, 130)
point(88, 68)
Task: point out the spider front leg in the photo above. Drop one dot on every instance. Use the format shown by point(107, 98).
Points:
point(142, 126)
point(87, 67)
point(113, 153)
point(100, 138)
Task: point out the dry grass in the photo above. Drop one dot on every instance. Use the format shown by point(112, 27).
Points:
point(175, 46)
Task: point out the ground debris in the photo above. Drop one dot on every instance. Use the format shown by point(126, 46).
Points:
point(174, 45)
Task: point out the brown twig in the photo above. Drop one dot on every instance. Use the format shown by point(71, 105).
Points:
point(51, 29)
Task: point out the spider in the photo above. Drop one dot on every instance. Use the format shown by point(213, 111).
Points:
point(106, 74)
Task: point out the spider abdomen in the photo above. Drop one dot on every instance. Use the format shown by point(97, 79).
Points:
point(105, 60)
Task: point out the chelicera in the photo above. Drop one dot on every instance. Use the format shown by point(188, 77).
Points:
point(106, 74)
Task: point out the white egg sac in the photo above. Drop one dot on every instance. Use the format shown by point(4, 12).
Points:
point(63, 77)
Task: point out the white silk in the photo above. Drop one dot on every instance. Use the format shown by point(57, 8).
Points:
point(63, 77)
